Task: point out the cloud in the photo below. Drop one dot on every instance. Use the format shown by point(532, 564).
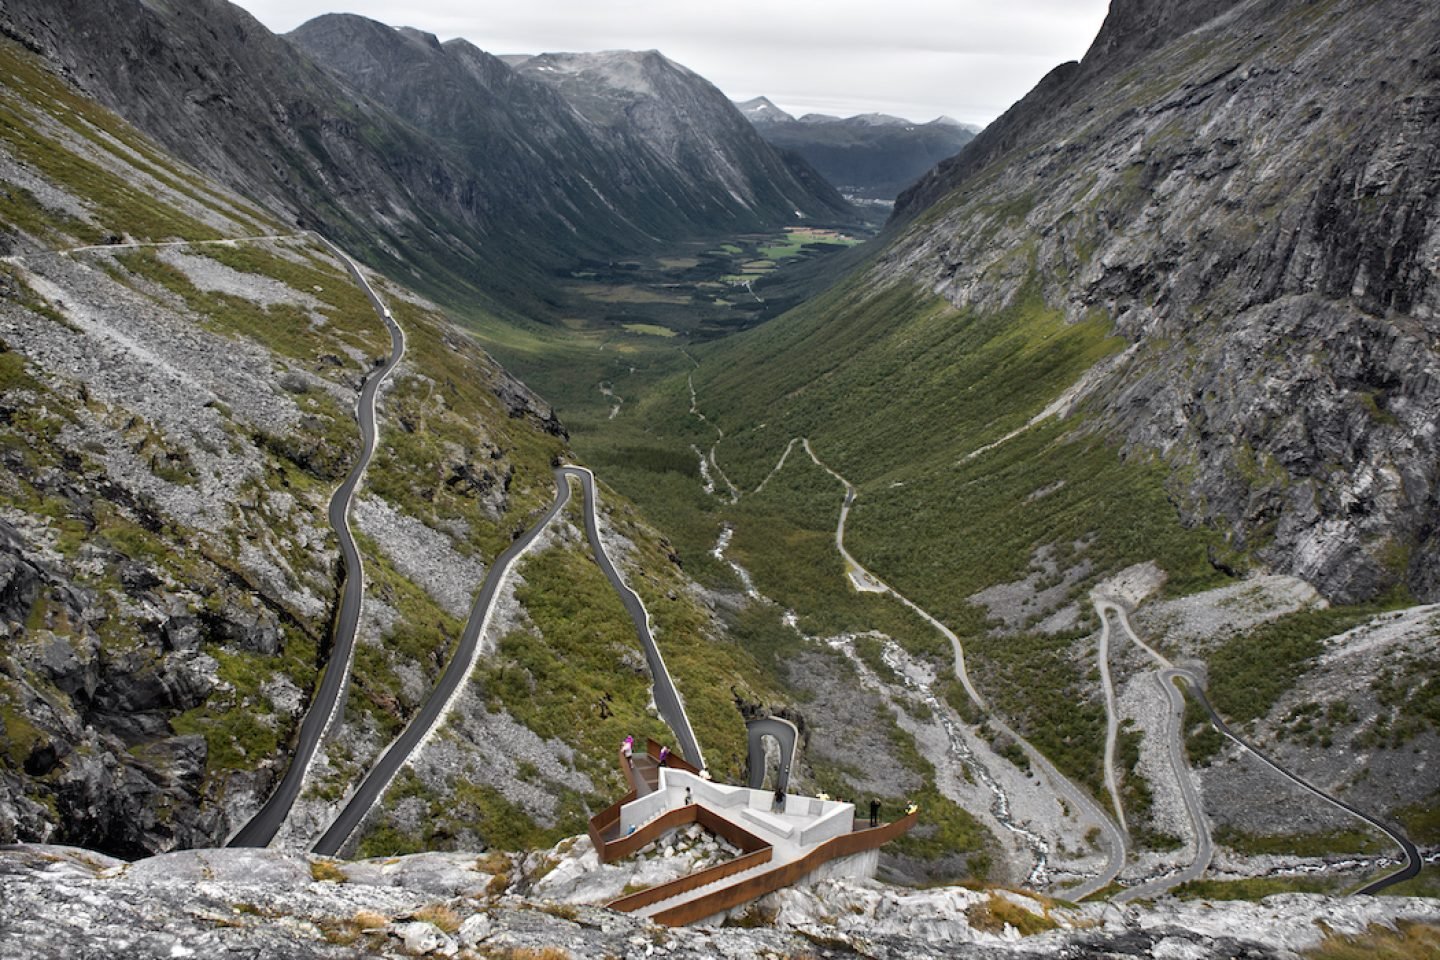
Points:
point(917, 58)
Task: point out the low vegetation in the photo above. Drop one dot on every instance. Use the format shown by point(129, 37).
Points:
point(56, 131)
point(1408, 691)
point(576, 673)
point(1406, 941)
point(323, 871)
point(1252, 888)
point(1355, 840)
point(997, 912)
point(241, 725)
point(1249, 671)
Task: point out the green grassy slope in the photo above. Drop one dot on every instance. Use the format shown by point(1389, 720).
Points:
point(94, 484)
point(894, 389)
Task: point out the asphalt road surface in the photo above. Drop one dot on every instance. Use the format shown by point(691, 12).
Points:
point(786, 735)
point(667, 701)
point(1413, 861)
point(262, 827)
point(1169, 674)
point(373, 786)
point(1204, 844)
point(395, 756)
point(1071, 794)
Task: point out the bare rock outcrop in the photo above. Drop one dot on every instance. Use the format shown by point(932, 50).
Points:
point(233, 903)
point(1251, 193)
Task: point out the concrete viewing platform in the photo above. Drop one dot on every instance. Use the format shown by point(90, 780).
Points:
point(779, 846)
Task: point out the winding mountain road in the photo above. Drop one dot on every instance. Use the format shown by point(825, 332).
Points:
point(1413, 860)
point(435, 708)
point(1200, 824)
point(262, 827)
point(1166, 675)
point(786, 734)
point(1170, 677)
point(667, 699)
point(1078, 799)
point(1112, 721)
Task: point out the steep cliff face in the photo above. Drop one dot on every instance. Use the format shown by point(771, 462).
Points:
point(603, 181)
point(178, 374)
point(1251, 193)
point(666, 116)
point(211, 85)
point(1132, 29)
point(465, 180)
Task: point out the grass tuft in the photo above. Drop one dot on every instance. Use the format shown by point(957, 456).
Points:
point(1407, 941)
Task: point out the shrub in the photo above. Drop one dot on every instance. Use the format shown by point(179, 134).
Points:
point(996, 912)
point(327, 870)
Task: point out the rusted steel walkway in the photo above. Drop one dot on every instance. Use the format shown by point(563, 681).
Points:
point(778, 848)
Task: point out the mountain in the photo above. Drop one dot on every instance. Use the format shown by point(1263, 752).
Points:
point(180, 374)
point(1249, 254)
point(669, 118)
point(1136, 393)
point(952, 122)
point(871, 156)
point(212, 85)
point(761, 110)
point(1163, 336)
point(671, 167)
point(471, 197)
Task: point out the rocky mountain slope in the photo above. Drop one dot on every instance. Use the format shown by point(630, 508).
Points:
point(665, 117)
point(248, 903)
point(1256, 255)
point(211, 85)
point(620, 175)
point(1268, 246)
point(1155, 334)
point(871, 156)
point(1175, 313)
point(179, 370)
point(458, 207)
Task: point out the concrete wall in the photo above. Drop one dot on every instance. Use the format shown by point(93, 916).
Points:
point(638, 812)
point(839, 819)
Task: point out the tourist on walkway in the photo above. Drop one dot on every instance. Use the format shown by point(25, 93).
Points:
point(627, 747)
point(874, 812)
point(688, 798)
point(664, 754)
point(779, 805)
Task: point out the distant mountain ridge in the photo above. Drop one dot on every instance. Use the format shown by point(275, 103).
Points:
point(763, 110)
point(438, 163)
point(670, 118)
point(1259, 249)
point(637, 161)
point(869, 156)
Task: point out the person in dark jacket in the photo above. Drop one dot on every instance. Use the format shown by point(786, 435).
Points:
point(874, 812)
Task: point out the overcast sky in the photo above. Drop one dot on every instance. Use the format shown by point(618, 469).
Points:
point(969, 59)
